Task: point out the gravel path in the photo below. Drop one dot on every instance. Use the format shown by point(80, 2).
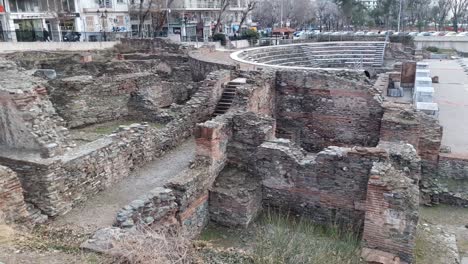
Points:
point(101, 209)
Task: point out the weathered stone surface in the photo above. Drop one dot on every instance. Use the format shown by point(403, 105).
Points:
point(320, 109)
point(56, 184)
point(103, 241)
point(12, 205)
point(392, 213)
point(236, 198)
point(156, 207)
point(27, 118)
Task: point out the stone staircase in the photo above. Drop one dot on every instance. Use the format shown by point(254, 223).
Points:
point(228, 95)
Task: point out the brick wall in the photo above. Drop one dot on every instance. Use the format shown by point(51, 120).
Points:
point(320, 109)
point(328, 187)
point(12, 205)
point(29, 121)
point(391, 216)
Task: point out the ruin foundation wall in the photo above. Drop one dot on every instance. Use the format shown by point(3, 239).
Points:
point(54, 185)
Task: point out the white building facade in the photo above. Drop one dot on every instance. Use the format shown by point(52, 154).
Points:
point(101, 20)
point(99, 17)
point(192, 18)
point(37, 20)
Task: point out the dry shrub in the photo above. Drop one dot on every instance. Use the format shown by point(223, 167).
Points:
point(149, 246)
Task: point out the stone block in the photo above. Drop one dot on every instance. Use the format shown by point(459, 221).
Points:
point(236, 198)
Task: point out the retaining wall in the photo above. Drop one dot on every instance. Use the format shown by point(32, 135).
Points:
point(55, 185)
point(6, 47)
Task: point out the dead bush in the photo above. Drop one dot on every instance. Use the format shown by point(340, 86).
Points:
point(149, 246)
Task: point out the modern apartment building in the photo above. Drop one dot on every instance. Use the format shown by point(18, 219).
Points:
point(41, 20)
point(191, 17)
point(28, 20)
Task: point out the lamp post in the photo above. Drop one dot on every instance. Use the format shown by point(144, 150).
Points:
point(103, 17)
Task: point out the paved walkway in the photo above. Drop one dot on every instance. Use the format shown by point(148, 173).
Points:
point(101, 209)
point(452, 96)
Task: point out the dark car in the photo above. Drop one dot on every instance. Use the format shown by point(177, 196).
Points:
point(71, 36)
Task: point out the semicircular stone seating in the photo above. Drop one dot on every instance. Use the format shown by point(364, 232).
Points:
point(317, 55)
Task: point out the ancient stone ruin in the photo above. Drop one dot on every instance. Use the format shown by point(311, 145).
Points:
point(326, 144)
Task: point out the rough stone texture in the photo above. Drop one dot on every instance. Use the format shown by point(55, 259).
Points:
point(328, 187)
point(236, 198)
point(403, 125)
point(12, 205)
point(27, 117)
point(391, 213)
point(320, 109)
point(54, 185)
point(258, 95)
point(157, 206)
point(451, 184)
point(139, 87)
point(201, 68)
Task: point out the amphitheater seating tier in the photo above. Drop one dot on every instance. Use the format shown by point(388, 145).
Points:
point(319, 55)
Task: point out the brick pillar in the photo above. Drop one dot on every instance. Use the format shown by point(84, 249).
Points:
point(392, 215)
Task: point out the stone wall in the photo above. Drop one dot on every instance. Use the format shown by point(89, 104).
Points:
point(328, 187)
point(100, 91)
point(391, 218)
point(320, 109)
point(200, 68)
point(28, 120)
point(54, 185)
point(12, 205)
point(451, 184)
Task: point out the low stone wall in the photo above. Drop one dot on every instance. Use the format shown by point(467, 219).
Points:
point(200, 68)
point(452, 180)
point(6, 47)
point(12, 205)
point(55, 185)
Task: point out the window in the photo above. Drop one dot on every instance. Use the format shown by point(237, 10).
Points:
point(90, 23)
point(120, 1)
point(119, 21)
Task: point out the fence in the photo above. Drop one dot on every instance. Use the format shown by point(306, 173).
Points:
point(269, 41)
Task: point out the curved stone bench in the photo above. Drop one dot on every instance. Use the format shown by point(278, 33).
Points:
point(315, 55)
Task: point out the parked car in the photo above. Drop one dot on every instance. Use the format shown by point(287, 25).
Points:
point(337, 33)
point(413, 34)
point(71, 36)
point(360, 33)
point(463, 34)
point(424, 34)
point(438, 34)
point(450, 34)
point(370, 33)
point(401, 34)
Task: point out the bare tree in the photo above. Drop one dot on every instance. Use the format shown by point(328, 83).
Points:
point(458, 11)
point(440, 13)
point(251, 4)
point(224, 5)
point(327, 13)
point(157, 9)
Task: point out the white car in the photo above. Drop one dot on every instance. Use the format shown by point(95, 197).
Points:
point(463, 34)
point(360, 33)
point(370, 33)
point(451, 34)
point(413, 34)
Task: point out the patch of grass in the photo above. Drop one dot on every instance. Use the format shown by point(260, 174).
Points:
point(445, 215)
point(289, 240)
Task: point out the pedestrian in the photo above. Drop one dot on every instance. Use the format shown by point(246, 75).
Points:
point(46, 35)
